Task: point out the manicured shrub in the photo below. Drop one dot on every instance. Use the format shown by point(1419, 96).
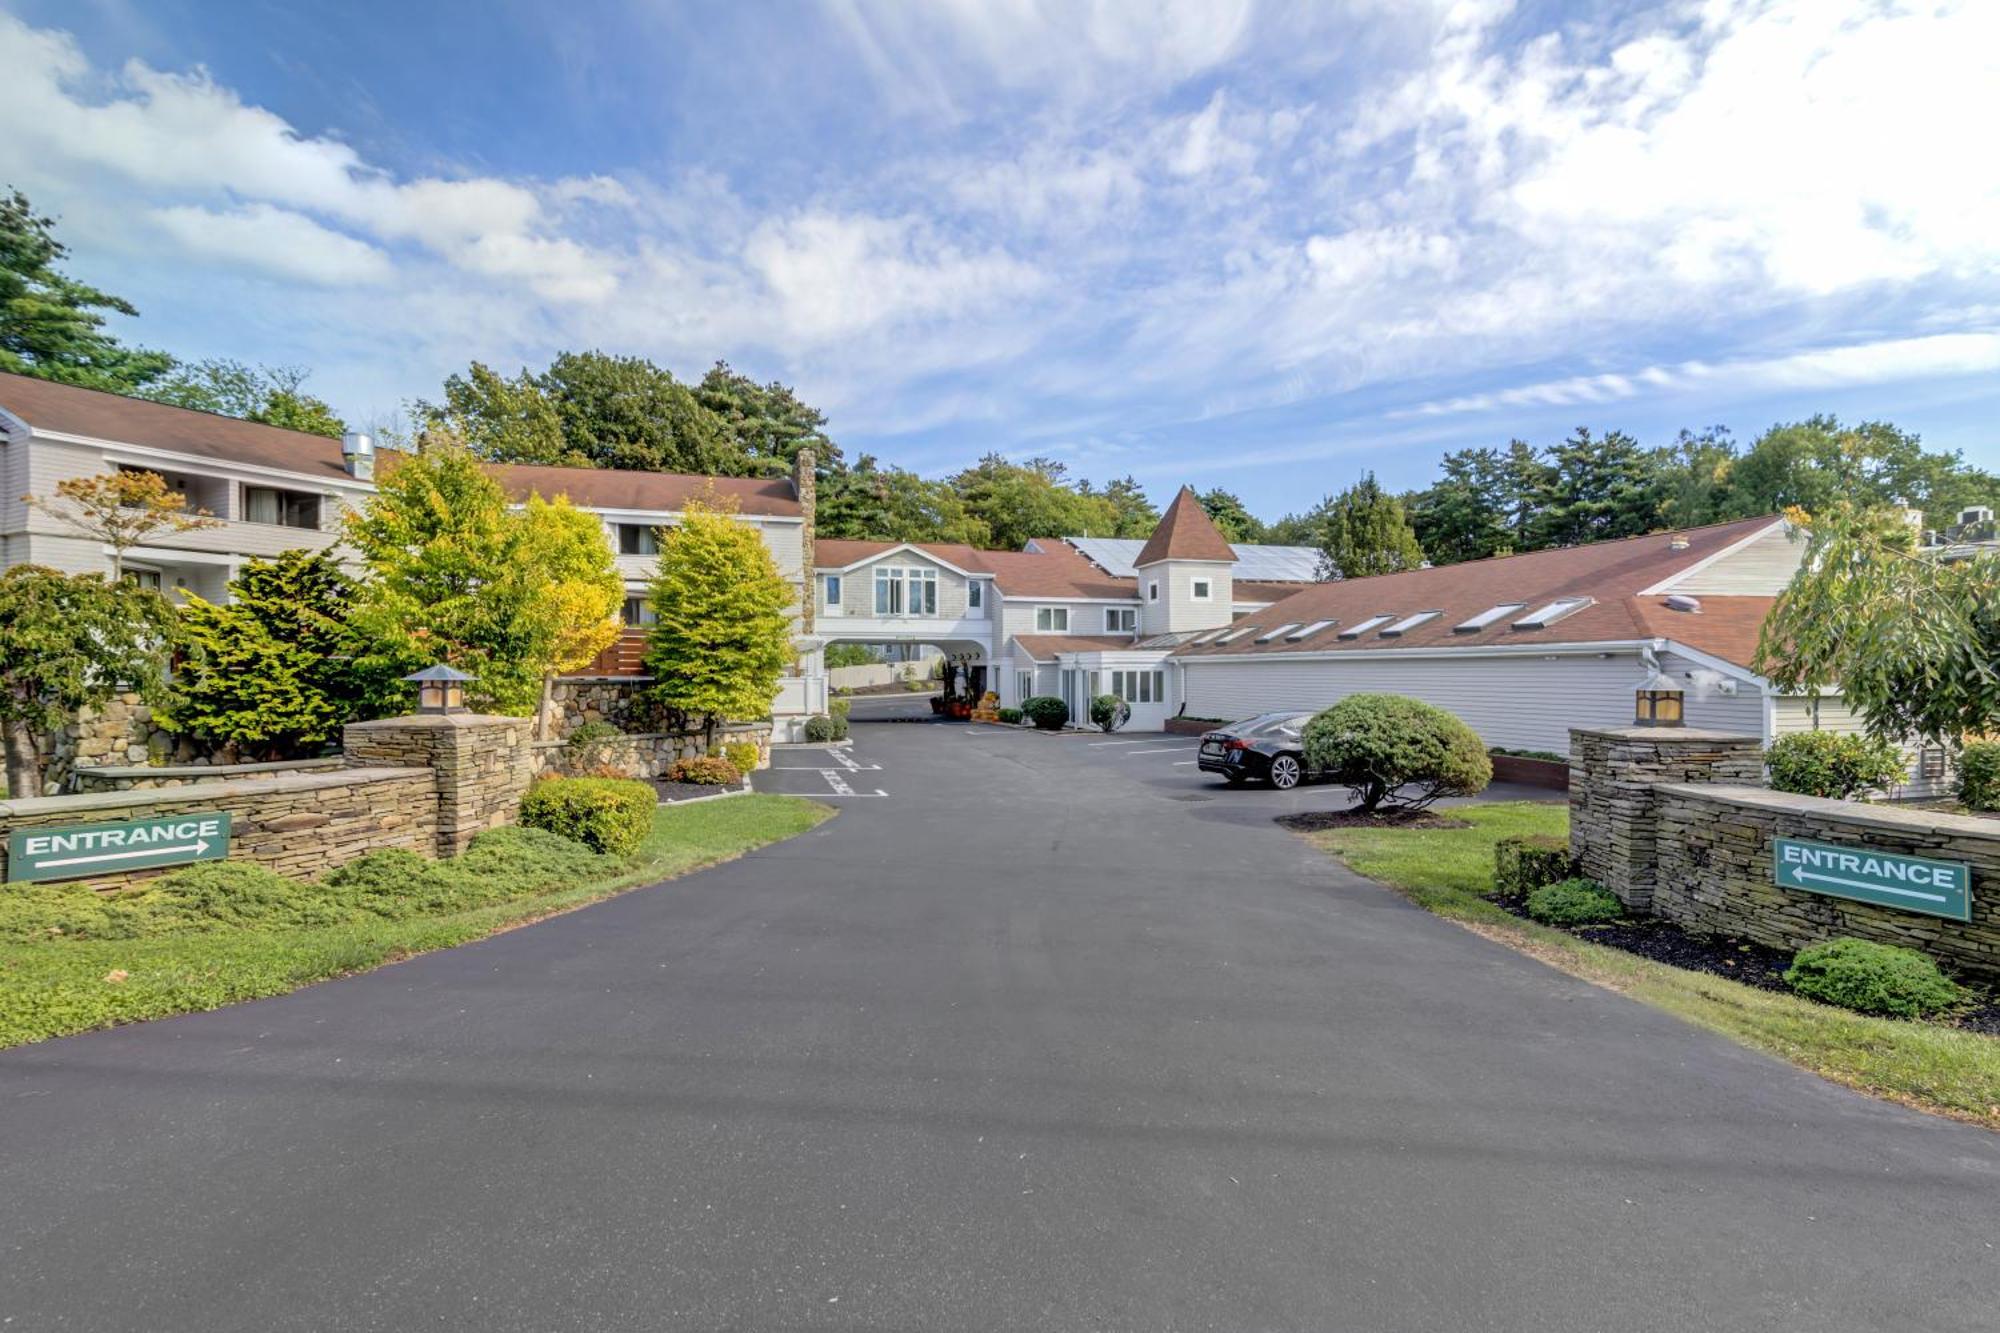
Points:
point(1011, 716)
point(1979, 775)
point(1524, 864)
point(840, 726)
point(819, 728)
point(743, 754)
point(1871, 978)
point(1105, 710)
point(1046, 711)
point(840, 708)
point(1824, 763)
point(1377, 744)
point(1574, 902)
point(708, 772)
point(610, 815)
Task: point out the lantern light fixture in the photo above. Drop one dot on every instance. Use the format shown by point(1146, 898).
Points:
point(440, 689)
point(1659, 702)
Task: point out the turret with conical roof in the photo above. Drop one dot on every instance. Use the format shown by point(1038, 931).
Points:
point(1184, 571)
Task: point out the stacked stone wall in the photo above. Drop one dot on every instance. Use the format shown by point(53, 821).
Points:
point(122, 732)
point(481, 765)
point(296, 824)
point(1715, 871)
point(1613, 772)
point(646, 755)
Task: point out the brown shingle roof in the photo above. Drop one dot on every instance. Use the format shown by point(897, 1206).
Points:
point(1610, 573)
point(66, 409)
point(1044, 647)
point(1185, 533)
point(1249, 590)
point(612, 488)
point(1057, 570)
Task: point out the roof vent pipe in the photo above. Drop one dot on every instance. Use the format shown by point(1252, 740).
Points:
point(357, 455)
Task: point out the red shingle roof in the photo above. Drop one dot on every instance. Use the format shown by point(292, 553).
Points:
point(612, 488)
point(1611, 574)
point(1057, 570)
point(1185, 533)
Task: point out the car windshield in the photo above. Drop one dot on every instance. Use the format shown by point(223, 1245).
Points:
point(1267, 724)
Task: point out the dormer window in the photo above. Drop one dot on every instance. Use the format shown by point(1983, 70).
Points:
point(1201, 590)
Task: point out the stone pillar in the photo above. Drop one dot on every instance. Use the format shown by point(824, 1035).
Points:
point(481, 765)
point(1613, 816)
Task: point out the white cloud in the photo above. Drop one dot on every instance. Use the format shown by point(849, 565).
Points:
point(277, 241)
point(1887, 361)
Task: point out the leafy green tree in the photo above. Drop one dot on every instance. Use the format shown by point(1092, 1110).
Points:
point(626, 412)
point(455, 574)
point(1235, 522)
point(767, 423)
point(1695, 473)
point(52, 326)
point(1021, 501)
point(1818, 463)
point(1366, 533)
point(279, 668)
point(122, 509)
point(867, 502)
point(722, 633)
point(850, 655)
point(1909, 642)
point(1130, 513)
point(576, 610)
point(505, 420)
point(69, 642)
point(1597, 489)
point(273, 395)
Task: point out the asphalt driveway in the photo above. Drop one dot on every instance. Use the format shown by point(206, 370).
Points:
point(1030, 1040)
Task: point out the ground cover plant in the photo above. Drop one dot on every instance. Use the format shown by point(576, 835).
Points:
point(1449, 870)
point(1574, 902)
point(220, 932)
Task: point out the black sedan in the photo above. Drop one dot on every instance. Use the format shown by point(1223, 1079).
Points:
point(1270, 746)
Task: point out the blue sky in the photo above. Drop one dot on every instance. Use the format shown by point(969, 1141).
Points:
point(1255, 244)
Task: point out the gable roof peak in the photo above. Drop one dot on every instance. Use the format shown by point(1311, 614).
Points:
point(1185, 532)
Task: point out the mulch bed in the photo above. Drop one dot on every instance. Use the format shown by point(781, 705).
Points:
point(1741, 960)
point(688, 791)
point(1313, 821)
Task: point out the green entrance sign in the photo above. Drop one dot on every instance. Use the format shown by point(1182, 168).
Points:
point(1908, 883)
point(73, 851)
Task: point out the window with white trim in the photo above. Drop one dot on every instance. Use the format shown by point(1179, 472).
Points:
point(284, 509)
point(1408, 623)
point(1373, 622)
point(1487, 617)
point(905, 592)
point(638, 539)
point(1052, 619)
point(1024, 685)
point(639, 611)
point(1200, 590)
point(975, 595)
point(831, 596)
point(1140, 687)
point(1152, 590)
point(1120, 619)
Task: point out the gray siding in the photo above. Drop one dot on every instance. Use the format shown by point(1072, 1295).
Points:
point(1177, 610)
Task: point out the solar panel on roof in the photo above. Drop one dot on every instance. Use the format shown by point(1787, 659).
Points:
point(1254, 563)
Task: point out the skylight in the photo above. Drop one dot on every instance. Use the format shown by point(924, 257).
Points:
point(1487, 617)
point(1408, 623)
point(1373, 622)
point(1269, 635)
point(1308, 631)
point(1544, 616)
point(1210, 637)
point(1231, 636)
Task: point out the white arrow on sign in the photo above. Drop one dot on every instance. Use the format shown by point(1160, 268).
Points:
point(1877, 888)
point(196, 847)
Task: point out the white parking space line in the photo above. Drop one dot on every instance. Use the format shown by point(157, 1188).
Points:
point(1170, 749)
point(1098, 745)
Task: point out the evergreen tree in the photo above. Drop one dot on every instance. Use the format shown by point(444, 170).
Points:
point(69, 642)
point(767, 423)
point(52, 326)
point(626, 412)
point(1364, 532)
point(1464, 515)
point(1235, 522)
point(1526, 479)
point(1127, 509)
point(1597, 489)
point(722, 634)
point(868, 502)
point(279, 668)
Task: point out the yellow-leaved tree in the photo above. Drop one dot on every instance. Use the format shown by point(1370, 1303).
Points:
point(578, 608)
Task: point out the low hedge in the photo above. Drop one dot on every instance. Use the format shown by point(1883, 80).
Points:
point(1046, 712)
point(1523, 864)
point(1011, 716)
point(1574, 902)
point(610, 815)
point(1825, 763)
point(1871, 978)
point(1979, 776)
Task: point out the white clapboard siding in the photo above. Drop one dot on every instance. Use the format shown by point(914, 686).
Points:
point(1760, 568)
point(1791, 714)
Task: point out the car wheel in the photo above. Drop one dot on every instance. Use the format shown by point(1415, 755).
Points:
point(1285, 772)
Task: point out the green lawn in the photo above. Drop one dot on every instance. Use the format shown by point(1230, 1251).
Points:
point(52, 987)
point(1449, 871)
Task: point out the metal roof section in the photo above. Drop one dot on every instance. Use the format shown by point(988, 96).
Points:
point(1256, 564)
point(1305, 632)
point(1373, 622)
point(1487, 617)
point(1561, 608)
point(1408, 623)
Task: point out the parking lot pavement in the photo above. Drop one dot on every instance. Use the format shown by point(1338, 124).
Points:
point(823, 772)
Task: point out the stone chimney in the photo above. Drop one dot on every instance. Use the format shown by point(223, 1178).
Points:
point(805, 482)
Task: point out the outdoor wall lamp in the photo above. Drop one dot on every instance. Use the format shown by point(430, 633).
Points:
point(439, 689)
point(1658, 703)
